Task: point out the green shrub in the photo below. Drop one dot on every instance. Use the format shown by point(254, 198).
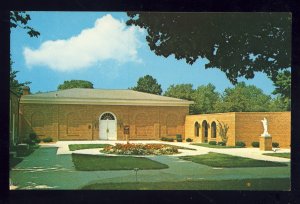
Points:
point(47, 139)
point(32, 136)
point(38, 140)
point(212, 143)
point(221, 143)
point(32, 139)
point(24, 150)
point(240, 144)
point(275, 144)
point(178, 137)
point(189, 140)
point(255, 144)
point(167, 139)
point(29, 141)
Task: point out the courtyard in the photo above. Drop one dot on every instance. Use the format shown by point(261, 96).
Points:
point(51, 167)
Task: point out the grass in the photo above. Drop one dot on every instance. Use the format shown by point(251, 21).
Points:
point(106, 163)
point(283, 155)
point(243, 184)
point(73, 147)
point(223, 160)
point(213, 146)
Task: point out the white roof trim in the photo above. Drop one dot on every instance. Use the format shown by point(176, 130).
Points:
point(105, 102)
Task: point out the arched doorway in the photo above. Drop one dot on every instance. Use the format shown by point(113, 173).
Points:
point(213, 130)
point(108, 126)
point(204, 131)
point(197, 126)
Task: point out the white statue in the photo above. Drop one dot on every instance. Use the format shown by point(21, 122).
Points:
point(265, 125)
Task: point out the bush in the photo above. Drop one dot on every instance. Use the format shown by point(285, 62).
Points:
point(32, 136)
point(255, 144)
point(275, 144)
point(47, 139)
point(179, 138)
point(29, 141)
point(189, 140)
point(221, 143)
point(212, 143)
point(37, 140)
point(32, 139)
point(167, 139)
point(240, 144)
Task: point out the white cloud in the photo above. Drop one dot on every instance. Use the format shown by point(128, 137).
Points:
point(109, 39)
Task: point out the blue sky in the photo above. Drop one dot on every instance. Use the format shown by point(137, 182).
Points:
point(98, 47)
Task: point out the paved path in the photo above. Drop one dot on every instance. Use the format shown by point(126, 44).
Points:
point(49, 167)
point(253, 153)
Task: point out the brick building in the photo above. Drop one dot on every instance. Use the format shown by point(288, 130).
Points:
point(243, 126)
point(94, 114)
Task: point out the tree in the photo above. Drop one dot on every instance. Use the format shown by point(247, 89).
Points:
point(148, 84)
point(243, 98)
point(223, 129)
point(205, 98)
point(278, 104)
point(15, 85)
point(20, 19)
point(282, 85)
point(75, 84)
point(239, 44)
point(182, 91)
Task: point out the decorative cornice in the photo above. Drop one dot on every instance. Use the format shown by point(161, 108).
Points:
point(105, 102)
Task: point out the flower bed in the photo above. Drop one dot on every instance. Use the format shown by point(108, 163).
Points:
point(140, 149)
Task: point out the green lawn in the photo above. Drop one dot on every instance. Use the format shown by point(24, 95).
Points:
point(105, 163)
point(223, 160)
point(213, 146)
point(284, 155)
point(244, 184)
point(73, 147)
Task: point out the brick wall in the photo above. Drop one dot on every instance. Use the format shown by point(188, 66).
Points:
point(249, 127)
point(227, 118)
point(81, 122)
point(243, 126)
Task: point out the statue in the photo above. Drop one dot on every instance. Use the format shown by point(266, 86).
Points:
point(265, 125)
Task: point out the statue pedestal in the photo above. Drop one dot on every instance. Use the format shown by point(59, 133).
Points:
point(265, 142)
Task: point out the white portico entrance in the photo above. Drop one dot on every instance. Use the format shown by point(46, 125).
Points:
point(108, 126)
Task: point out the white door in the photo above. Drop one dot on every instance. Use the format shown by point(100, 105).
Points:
point(108, 127)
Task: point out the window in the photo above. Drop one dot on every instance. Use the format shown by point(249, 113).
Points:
point(107, 116)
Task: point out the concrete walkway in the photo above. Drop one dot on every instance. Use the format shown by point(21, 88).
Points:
point(51, 167)
point(253, 153)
